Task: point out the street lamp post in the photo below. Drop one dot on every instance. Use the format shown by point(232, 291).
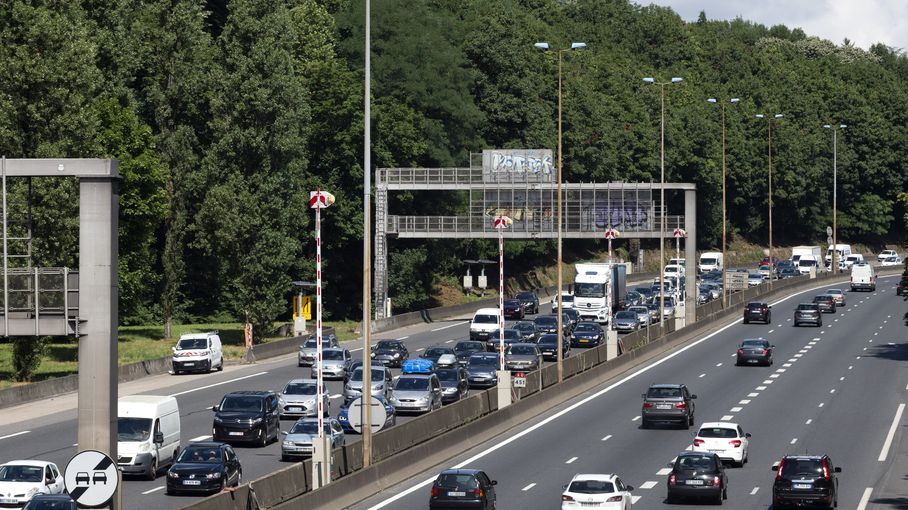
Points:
point(559, 356)
point(835, 187)
point(769, 129)
point(652, 81)
point(724, 213)
point(367, 247)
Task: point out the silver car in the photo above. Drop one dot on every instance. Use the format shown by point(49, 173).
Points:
point(522, 357)
point(307, 350)
point(298, 399)
point(642, 314)
point(381, 383)
point(298, 441)
point(416, 393)
point(838, 295)
point(335, 363)
point(625, 322)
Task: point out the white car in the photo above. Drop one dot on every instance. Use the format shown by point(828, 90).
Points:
point(894, 260)
point(885, 254)
point(725, 439)
point(22, 479)
point(599, 491)
point(567, 301)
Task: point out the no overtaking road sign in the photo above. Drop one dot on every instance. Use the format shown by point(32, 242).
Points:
point(91, 478)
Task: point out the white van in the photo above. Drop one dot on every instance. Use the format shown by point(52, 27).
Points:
point(711, 261)
point(484, 323)
point(844, 250)
point(198, 352)
point(863, 277)
point(854, 258)
point(148, 434)
point(673, 270)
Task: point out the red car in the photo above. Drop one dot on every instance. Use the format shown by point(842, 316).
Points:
point(514, 309)
point(765, 261)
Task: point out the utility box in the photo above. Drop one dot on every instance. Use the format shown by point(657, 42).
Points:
point(483, 282)
point(467, 283)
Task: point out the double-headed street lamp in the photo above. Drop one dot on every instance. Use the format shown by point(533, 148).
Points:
point(835, 241)
point(545, 46)
point(722, 105)
point(769, 121)
point(662, 210)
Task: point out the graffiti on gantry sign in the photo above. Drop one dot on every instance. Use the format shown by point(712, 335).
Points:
point(628, 215)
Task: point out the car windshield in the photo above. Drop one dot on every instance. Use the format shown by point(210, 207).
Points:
point(524, 326)
point(625, 315)
point(335, 355)
point(587, 327)
point(664, 393)
point(509, 334)
point(638, 309)
point(192, 343)
point(755, 275)
point(590, 290)
point(511, 302)
point(446, 375)
point(435, 352)
point(708, 262)
point(300, 388)
point(133, 429)
point(306, 427)
point(457, 482)
point(313, 343)
point(546, 320)
point(526, 296)
point(805, 306)
point(378, 375)
point(464, 347)
point(485, 319)
point(483, 361)
point(412, 384)
point(567, 298)
point(834, 291)
point(199, 455)
point(806, 262)
point(244, 403)
point(794, 467)
point(591, 487)
point(20, 473)
point(521, 350)
point(386, 345)
point(547, 340)
point(754, 343)
point(754, 306)
point(823, 298)
point(719, 432)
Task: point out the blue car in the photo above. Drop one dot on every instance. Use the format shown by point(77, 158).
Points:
point(390, 420)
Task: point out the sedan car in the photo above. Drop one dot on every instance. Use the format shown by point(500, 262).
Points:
point(826, 303)
point(511, 336)
point(809, 313)
point(298, 398)
point(754, 279)
point(50, 502)
point(529, 300)
point(391, 353)
point(22, 479)
point(668, 403)
point(514, 309)
point(596, 491)
point(625, 322)
point(463, 488)
point(548, 324)
point(522, 358)
point(298, 441)
point(587, 334)
point(757, 311)
point(380, 381)
point(754, 352)
point(307, 351)
point(206, 467)
point(548, 347)
point(838, 295)
point(482, 370)
point(335, 364)
point(466, 348)
point(653, 312)
point(805, 480)
point(698, 475)
point(634, 298)
point(885, 254)
point(725, 439)
point(343, 415)
point(526, 329)
point(454, 384)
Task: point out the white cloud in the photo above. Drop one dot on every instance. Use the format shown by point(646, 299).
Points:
point(863, 22)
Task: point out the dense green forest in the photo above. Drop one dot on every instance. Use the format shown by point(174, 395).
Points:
point(225, 113)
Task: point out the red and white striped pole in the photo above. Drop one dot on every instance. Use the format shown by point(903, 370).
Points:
point(318, 200)
point(501, 222)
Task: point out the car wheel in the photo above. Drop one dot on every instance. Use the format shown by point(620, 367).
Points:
point(746, 321)
point(264, 440)
point(152, 469)
point(177, 372)
point(221, 365)
point(690, 420)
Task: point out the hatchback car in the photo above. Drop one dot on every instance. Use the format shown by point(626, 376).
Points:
point(247, 416)
point(642, 314)
point(50, 502)
point(548, 324)
point(526, 329)
point(809, 313)
point(596, 491)
point(381, 383)
point(522, 357)
point(454, 384)
point(754, 352)
point(757, 311)
point(416, 393)
point(725, 439)
point(511, 336)
point(335, 364)
point(205, 467)
point(826, 303)
point(805, 480)
point(529, 300)
point(548, 347)
point(391, 353)
point(625, 322)
point(668, 403)
point(573, 317)
point(482, 370)
point(514, 309)
point(697, 475)
point(838, 295)
point(307, 351)
point(754, 278)
point(298, 399)
point(433, 353)
point(466, 348)
point(22, 479)
point(463, 488)
point(299, 440)
point(586, 334)
point(788, 272)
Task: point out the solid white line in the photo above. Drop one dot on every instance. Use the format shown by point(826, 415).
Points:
point(648, 484)
point(16, 434)
point(754, 491)
point(865, 498)
point(528, 487)
point(449, 326)
point(702, 375)
point(200, 438)
point(217, 384)
point(571, 460)
point(808, 422)
point(793, 441)
point(606, 438)
point(664, 471)
point(727, 417)
point(895, 423)
point(156, 489)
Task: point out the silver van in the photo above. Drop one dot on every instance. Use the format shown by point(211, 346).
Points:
point(416, 393)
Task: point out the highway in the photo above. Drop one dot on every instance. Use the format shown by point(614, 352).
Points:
point(835, 390)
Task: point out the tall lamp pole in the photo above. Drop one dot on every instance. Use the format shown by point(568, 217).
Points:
point(835, 187)
point(652, 81)
point(769, 130)
point(724, 213)
point(560, 354)
point(366, 406)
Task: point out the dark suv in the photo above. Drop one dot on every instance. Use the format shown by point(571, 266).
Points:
point(825, 302)
point(463, 488)
point(247, 416)
point(805, 480)
point(808, 312)
point(757, 311)
point(697, 475)
point(668, 403)
point(529, 300)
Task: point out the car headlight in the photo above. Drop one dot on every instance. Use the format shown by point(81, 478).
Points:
point(255, 421)
point(596, 337)
point(378, 386)
point(173, 474)
point(143, 447)
point(372, 355)
point(288, 443)
point(211, 476)
point(396, 354)
point(450, 390)
point(423, 399)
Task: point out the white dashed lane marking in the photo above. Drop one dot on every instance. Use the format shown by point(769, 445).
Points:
point(200, 438)
point(16, 434)
point(821, 404)
point(865, 498)
point(753, 395)
point(761, 388)
point(571, 460)
point(718, 364)
point(664, 471)
point(754, 491)
point(528, 487)
point(636, 418)
point(727, 417)
point(793, 441)
point(606, 438)
point(702, 375)
point(735, 409)
point(648, 484)
point(808, 422)
point(156, 489)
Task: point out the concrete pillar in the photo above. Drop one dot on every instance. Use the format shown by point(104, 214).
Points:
point(504, 388)
point(97, 413)
point(690, 255)
point(611, 344)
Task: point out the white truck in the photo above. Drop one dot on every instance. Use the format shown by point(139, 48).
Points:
point(711, 261)
point(805, 257)
point(844, 250)
point(599, 290)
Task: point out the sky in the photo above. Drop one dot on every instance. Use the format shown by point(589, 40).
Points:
point(864, 22)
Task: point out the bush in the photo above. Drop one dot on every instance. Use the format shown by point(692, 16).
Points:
point(27, 354)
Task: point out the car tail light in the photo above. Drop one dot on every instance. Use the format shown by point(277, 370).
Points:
point(680, 405)
point(766, 352)
point(698, 441)
point(434, 492)
point(825, 470)
point(735, 443)
point(647, 405)
point(740, 351)
point(715, 481)
point(477, 493)
point(779, 472)
point(565, 497)
point(671, 479)
point(613, 499)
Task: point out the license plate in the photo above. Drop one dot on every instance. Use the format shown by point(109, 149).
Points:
point(235, 434)
point(296, 409)
point(458, 494)
point(802, 486)
point(717, 451)
point(694, 482)
point(192, 482)
point(751, 361)
point(584, 341)
point(8, 501)
point(189, 364)
point(663, 406)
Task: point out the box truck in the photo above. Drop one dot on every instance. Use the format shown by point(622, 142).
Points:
point(599, 290)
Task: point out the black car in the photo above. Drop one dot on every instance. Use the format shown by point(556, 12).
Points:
point(466, 348)
point(247, 416)
point(511, 336)
point(646, 292)
point(826, 303)
point(530, 301)
point(668, 403)
point(808, 312)
point(482, 370)
point(454, 384)
point(805, 480)
point(526, 329)
point(50, 502)
point(548, 324)
point(514, 309)
point(433, 353)
point(548, 346)
point(788, 272)
point(757, 311)
point(204, 467)
point(587, 334)
point(573, 316)
point(390, 353)
point(697, 475)
point(634, 298)
point(754, 352)
point(463, 488)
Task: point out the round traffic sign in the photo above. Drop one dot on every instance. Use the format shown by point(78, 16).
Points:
point(355, 416)
point(829, 231)
point(829, 240)
point(91, 478)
